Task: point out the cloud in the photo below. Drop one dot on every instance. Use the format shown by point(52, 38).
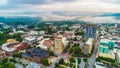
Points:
point(81, 6)
point(34, 2)
point(2, 2)
point(61, 7)
point(109, 19)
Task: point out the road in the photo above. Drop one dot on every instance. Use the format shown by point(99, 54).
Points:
point(92, 59)
point(82, 64)
point(56, 61)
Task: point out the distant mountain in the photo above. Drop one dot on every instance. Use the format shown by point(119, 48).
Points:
point(117, 15)
point(111, 14)
point(19, 20)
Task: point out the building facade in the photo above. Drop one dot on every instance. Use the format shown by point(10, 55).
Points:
point(58, 45)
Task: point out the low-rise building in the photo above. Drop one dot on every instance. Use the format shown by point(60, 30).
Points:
point(2, 54)
point(12, 46)
point(69, 34)
point(30, 40)
point(46, 44)
point(33, 33)
point(42, 32)
point(35, 54)
point(51, 59)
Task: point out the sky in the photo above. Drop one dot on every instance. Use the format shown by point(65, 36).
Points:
point(62, 9)
point(32, 7)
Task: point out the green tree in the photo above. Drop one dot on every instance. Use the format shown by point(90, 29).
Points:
point(56, 65)
point(51, 53)
point(66, 48)
point(19, 55)
point(72, 59)
point(9, 65)
point(61, 61)
point(71, 50)
point(79, 60)
point(5, 60)
point(85, 59)
point(13, 60)
point(45, 62)
point(1, 66)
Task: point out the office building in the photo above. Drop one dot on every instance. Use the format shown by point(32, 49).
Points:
point(58, 45)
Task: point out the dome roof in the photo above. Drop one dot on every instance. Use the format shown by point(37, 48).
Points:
point(11, 41)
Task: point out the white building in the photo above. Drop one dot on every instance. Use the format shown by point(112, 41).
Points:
point(34, 33)
point(42, 32)
point(30, 40)
point(65, 41)
point(45, 44)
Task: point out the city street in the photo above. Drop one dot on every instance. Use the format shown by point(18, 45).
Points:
point(56, 61)
point(82, 64)
point(92, 59)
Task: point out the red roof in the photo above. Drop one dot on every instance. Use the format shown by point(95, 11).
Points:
point(21, 47)
point(67, 34)
point(48, 43)
point(1, 54)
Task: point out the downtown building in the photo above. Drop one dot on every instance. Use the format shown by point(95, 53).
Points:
point(106, 48)
point(58, 45)
point(90, 32)
point(35, 54)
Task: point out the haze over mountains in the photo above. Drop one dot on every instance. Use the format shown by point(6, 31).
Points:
point(91, 18)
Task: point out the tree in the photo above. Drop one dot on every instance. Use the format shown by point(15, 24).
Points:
point(4, 60)
point(85, 59)
point(66, 48)
point(61, 61)
point(9, 65)
point(72, 59)
point(77, 50)
point(1, 66)
point(79, 60)
point(56, 65)
point(51, 53)
point(19, 55)
point(13, 60)
point(31, 27)
point(28, 47)
point(45, 62)
point(71, 50)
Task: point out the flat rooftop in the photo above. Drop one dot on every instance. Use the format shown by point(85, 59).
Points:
point(36, 52)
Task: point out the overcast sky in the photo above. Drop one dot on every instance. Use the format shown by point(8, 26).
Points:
point(38, 7)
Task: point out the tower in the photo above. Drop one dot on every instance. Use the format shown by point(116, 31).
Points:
point(58, 45)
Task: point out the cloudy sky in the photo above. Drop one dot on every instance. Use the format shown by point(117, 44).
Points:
point(13, 7)
point(58, 8)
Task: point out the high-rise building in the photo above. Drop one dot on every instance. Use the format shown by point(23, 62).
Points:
point(90, 32)
point(106, 48)
point(58, 45)
point(88, 46)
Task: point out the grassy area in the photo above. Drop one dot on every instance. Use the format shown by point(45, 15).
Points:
point(108, 61)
